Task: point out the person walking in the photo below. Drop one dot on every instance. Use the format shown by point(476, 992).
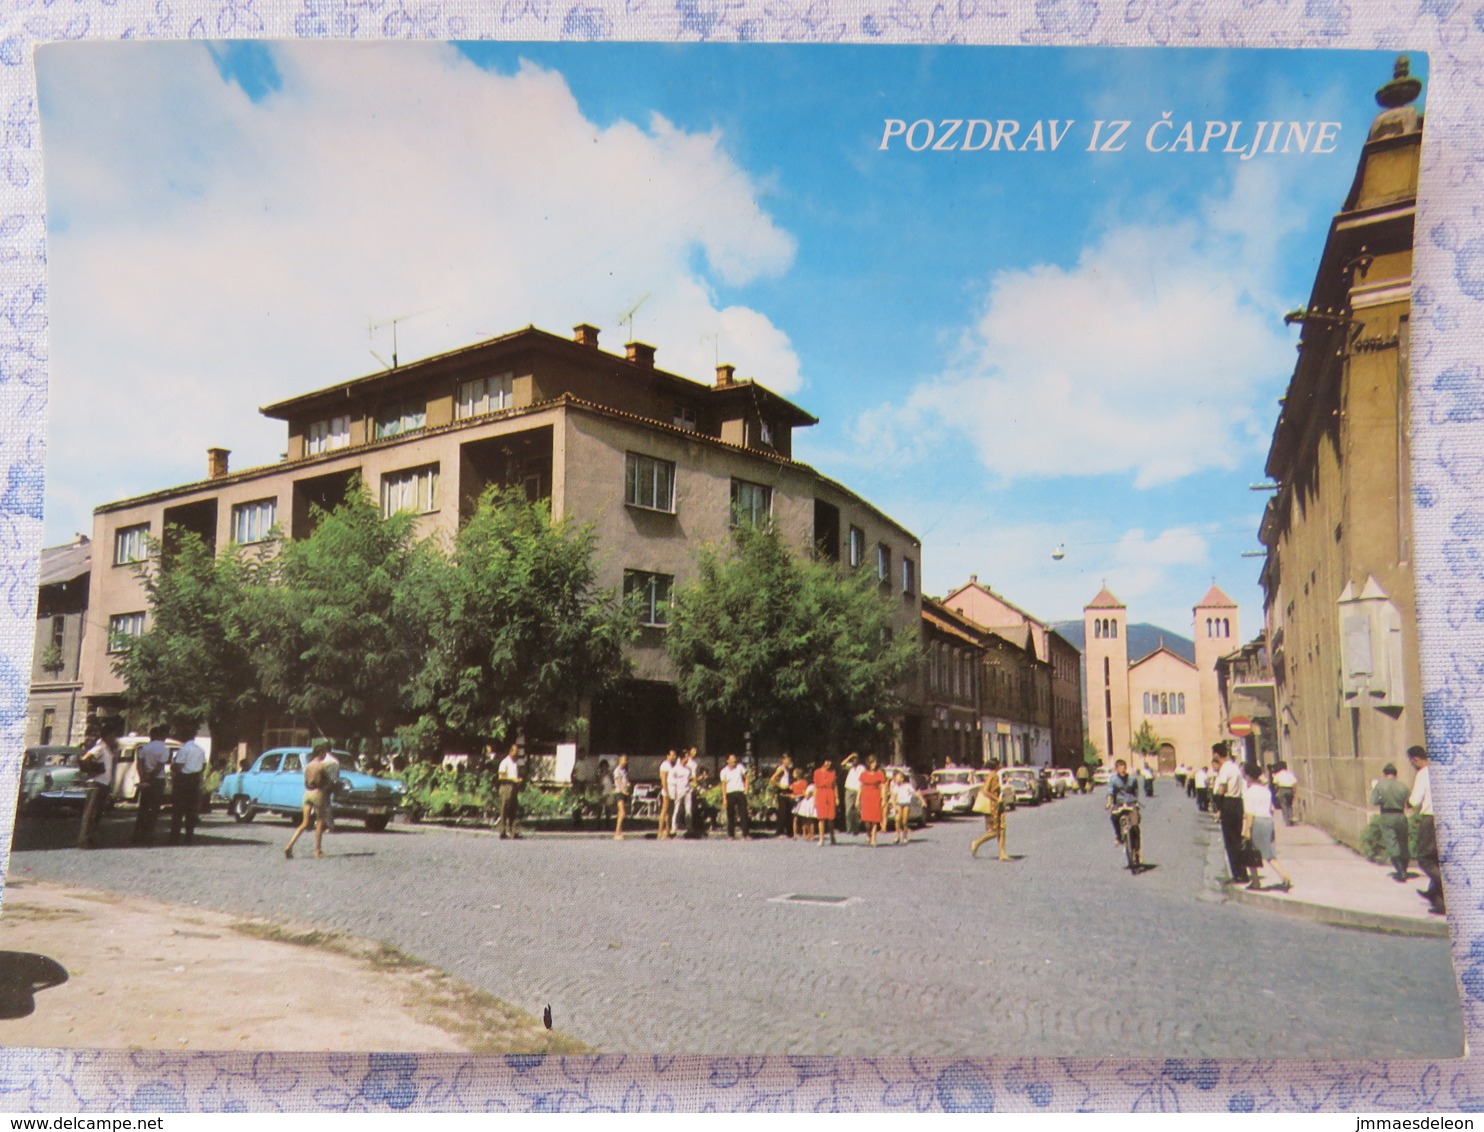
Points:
point(1148, 776)
point(1257, 829)
point(623, 794)
point(902, 793)
point(1284, 784)
point(1084, 778)
point(187, 769)
point(856, 768)
point(824, 799)
point(331, 776)
point(667, 800)
point(1202, 780)
point(1227, 792)
point(98, 765)
point(989, 803)
point(734, 780)
point(315, 788)
point(150, 763)
point(1427, 832)
point(1390, 796)
point(782, 782)
point(872, 798)
point(508, 777)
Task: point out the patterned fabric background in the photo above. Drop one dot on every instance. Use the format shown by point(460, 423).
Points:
point(1449, 497)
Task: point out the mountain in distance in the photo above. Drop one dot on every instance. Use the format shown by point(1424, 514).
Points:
point(1143, 639)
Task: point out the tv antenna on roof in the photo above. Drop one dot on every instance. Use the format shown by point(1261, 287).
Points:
point(628, 315)
point(373, 326)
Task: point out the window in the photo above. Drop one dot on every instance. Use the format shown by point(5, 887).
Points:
point(123, 630)
point(130, 544)
point(752, 504)
point(651, 593)
point(253, 522)
point(883, 563)
point(59, 631)
point(48, 722)
point(292, 764)
point(327, 435)
point(400, 417)
point(269, 764)
point(765, 433)
point(909, 576)
point(414, 489)
point(484, 395)
point(685, 418)
point(857, 547)
point(648, 482)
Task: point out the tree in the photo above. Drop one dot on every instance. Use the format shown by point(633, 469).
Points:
point(337, 638)
point(1145, 742)
point(194, 664)
point(518, 629)
point(792, 649)
point(1090, 753)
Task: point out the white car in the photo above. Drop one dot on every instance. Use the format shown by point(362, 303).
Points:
point(957, 786)
point(1063, 781)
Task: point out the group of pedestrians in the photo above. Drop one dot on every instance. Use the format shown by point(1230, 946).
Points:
point(1242, 798)
point(1394, 799)
point(155, 765)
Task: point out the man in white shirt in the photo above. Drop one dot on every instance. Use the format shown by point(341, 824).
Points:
point(682, 797)
point(1227, 792)
point(104, 755)
point(508, 776)
point(1202, 780)
point(853, 792)
point(1284, 782)
point(1427, 832)
point(734, 792)
point(187, 769)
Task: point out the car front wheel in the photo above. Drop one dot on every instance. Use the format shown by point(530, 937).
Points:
point(378, 822)
point(242, 808)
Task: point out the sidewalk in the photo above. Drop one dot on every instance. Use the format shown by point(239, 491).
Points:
point(85, 969)
point(1332, 884)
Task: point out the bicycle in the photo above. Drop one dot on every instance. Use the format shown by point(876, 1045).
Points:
point(1128, 833)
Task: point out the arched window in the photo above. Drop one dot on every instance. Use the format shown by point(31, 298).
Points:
point(1146, 703)
point(1164, 703)
point(1182, 704)
point(1113, 626)
point(1226, 627)
point(1097, 628)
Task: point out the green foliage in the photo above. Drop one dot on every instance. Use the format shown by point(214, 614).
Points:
point(194, 662)
point(338, 638)
point(516, 627)
point(1373, 846)
point(1090, 753)
point(52, 660)
point(542, 804)
point(1145, 741)
point(791, 648)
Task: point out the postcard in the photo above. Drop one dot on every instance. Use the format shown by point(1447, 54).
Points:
point(730, 549)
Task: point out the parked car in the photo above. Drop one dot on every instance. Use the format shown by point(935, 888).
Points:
point(275, 785)
point(1063, 781)
point(1021, 783)
point(957, 786)
point(1101, 775)
point(51, 778)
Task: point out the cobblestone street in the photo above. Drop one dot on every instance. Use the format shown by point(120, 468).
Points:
point(690, 947)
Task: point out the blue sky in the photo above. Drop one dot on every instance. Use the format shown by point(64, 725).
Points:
point(1007, 350)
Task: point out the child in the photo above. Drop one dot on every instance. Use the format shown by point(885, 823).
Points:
point(804, 813)
point(902, 794)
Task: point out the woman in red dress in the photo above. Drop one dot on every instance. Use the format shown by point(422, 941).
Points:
point(824, 799)
point(873, 794)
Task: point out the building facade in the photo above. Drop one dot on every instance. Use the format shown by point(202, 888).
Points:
point(1338, 582)
point(1180, 700)
point(55, 712)
point(658, 464)
point(989, 610)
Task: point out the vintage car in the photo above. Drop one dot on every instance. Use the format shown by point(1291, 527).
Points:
point(1022, 783)
point(126, 768)
point(1063, 782)
point(51, 778)
point(957, 786)
point(275, 785)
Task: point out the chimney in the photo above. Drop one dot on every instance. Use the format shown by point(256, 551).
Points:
point(725, 375)
point(585, 335)
point(640, 354)
point(973, 579)
point(216, 462)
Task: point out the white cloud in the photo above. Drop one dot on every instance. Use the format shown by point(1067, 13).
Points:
point(1144, 358)
point(219, 254)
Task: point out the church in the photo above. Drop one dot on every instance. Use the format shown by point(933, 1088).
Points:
point(1179, 700)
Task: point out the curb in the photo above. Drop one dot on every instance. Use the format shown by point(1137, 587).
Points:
point(1381, 922)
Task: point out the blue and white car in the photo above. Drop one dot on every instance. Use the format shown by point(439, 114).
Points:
point(275, 785)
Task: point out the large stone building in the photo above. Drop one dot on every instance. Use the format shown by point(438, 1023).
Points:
point(1338, 581)
point(989, 610)
point(659, 464)
point(985, 696)
point(1179, 699)
point(55, 712)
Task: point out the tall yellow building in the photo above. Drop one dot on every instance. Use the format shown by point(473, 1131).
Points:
point(1338, 583)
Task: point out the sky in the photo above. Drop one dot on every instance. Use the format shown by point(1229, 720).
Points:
point(1012, 345)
